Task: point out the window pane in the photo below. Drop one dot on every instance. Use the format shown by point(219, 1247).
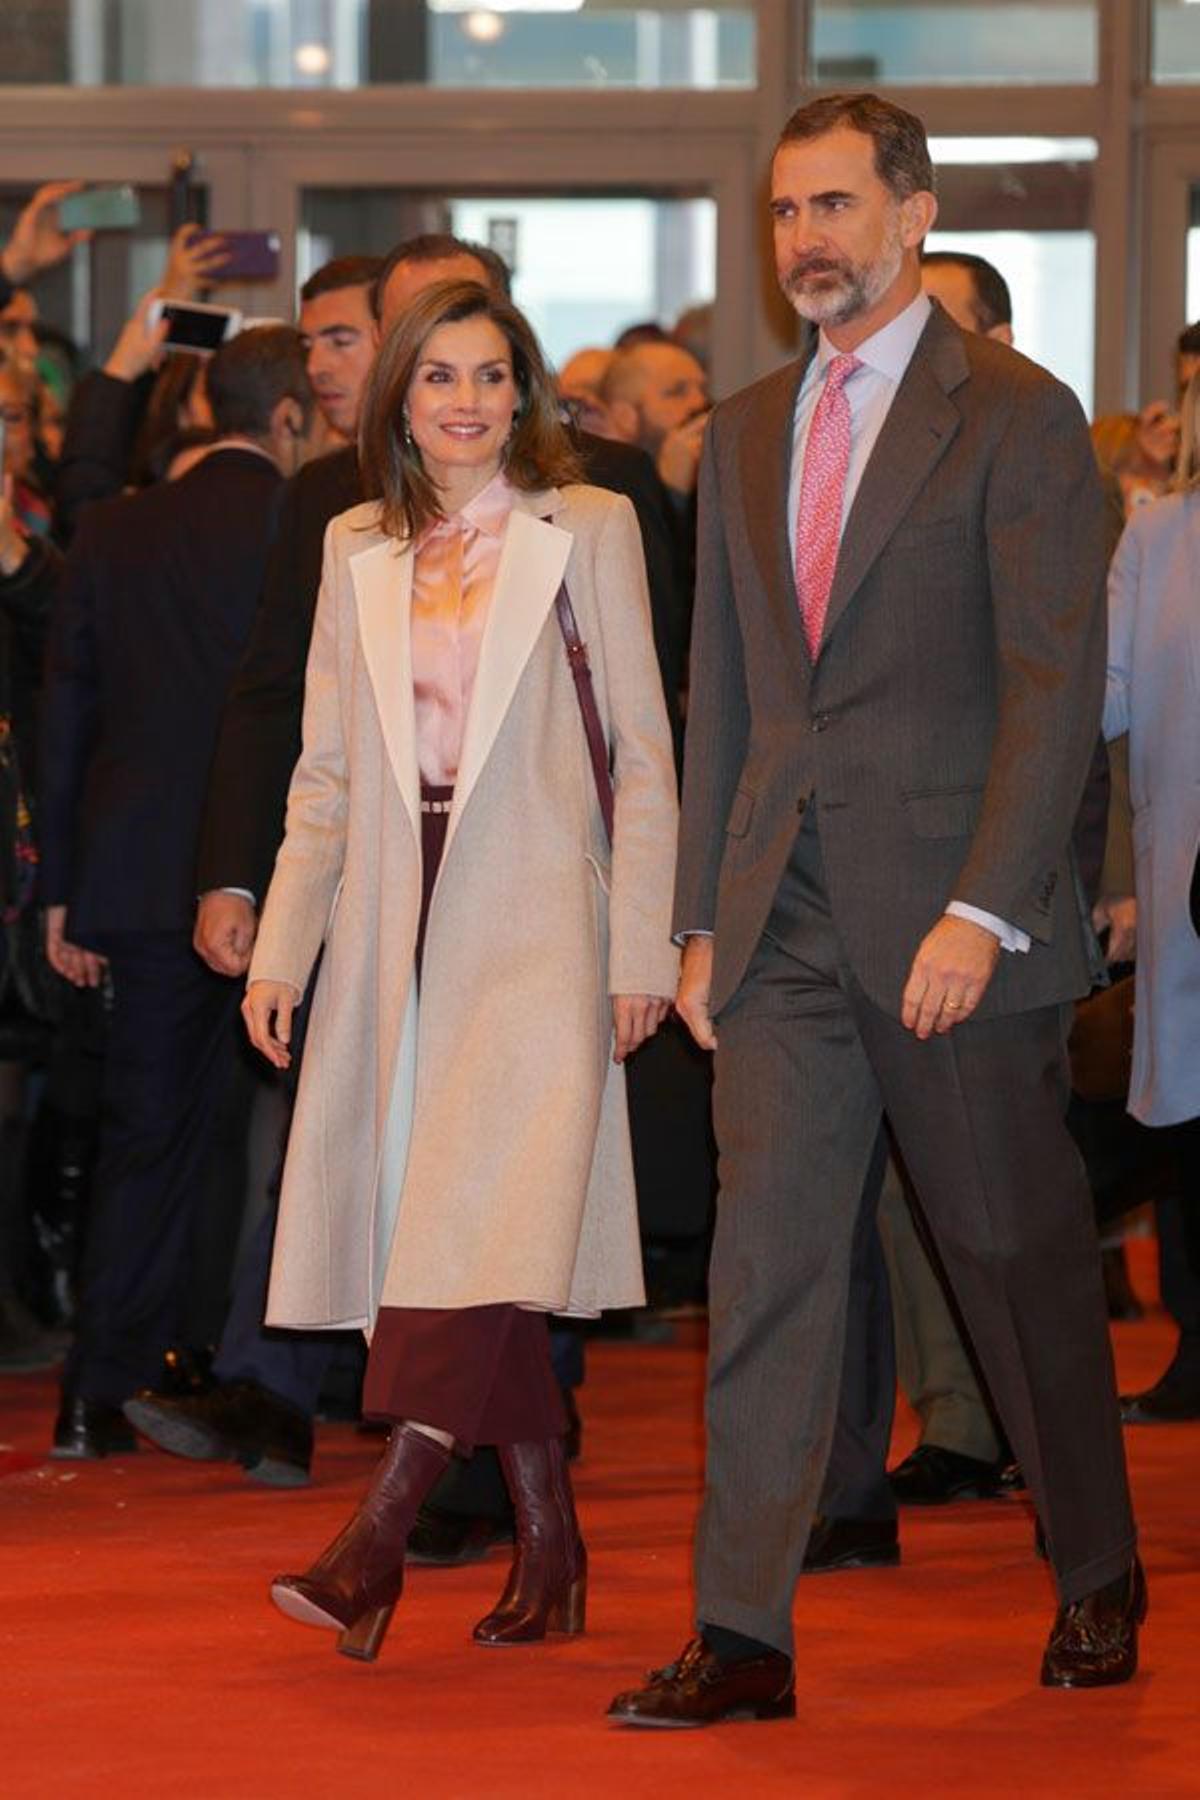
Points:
point(1026, 205)
point(583, 267)
point(357, 43)
point(858, 44)
point(1176, 40)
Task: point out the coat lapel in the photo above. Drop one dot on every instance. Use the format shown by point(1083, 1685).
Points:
point(533, 561)
point(382, 577)
point(916, 434)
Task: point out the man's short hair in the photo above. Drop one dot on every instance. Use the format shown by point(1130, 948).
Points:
point(992, 304)
point(249, 376)
point(342, 272)
point(440, 246)
point(902, 159)
point(1188, 342)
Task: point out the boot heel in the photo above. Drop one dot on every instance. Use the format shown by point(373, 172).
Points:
point(362, 1640)
point(569, 1612)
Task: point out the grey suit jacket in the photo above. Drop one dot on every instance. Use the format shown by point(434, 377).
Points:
point(945, 732)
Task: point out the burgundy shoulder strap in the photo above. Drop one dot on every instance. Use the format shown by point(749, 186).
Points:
point(577, 656)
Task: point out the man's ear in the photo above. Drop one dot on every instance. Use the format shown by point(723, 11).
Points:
point(623, 417)
point(917, 215)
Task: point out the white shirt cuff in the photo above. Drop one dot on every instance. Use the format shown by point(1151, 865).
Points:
point(1011, 936)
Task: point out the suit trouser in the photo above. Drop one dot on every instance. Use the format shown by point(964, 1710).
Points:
point(899, 1323)
point(167, 1073)
point(804, 1069)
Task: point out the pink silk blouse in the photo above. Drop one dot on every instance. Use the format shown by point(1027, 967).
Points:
point(454, 572)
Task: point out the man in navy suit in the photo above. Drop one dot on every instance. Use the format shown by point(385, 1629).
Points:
point(158, 598)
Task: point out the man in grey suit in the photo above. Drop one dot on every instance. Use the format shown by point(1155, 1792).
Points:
point(897, 681)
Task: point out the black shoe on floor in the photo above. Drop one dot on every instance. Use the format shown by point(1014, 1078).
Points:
point(851, 1544)
point(231, 1421)
point(932, 1476)
point(445, 1540)
point(1166, 1403)
point(86, 1430)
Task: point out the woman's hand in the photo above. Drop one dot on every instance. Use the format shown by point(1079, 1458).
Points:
point(636, 1017)
point(82, 968)
point(13, 548)
point(266, 1001)
point(194, 261)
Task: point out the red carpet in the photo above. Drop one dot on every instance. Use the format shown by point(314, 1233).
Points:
point(139, 1655)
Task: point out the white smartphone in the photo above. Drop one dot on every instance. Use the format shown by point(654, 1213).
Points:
point(194, 326)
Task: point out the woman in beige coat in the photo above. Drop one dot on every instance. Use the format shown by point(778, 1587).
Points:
point(459, 1161)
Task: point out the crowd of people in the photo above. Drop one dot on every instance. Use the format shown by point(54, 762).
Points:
point(348, 679)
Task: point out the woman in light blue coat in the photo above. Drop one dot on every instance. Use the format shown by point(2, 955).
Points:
point(1153, 692)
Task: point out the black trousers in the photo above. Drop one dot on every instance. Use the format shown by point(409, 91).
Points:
point(171, 1057)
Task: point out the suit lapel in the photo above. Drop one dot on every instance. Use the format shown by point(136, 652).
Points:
point(382, 577)
point(765, 461)
point(917, 432)
point(533, 560)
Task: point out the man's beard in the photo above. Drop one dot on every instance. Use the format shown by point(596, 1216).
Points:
point(848, 289)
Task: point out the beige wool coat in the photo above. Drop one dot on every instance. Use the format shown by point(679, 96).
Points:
point(471, 1146)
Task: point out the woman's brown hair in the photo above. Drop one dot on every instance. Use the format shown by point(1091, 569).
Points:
point(538, 454)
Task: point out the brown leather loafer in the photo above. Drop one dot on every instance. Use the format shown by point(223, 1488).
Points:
point(1094, 1642)
point(700, 1690)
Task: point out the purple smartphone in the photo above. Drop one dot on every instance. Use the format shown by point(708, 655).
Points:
point(253, 255)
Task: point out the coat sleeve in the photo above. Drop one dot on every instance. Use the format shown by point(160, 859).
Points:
point(70, 718)
point(1046, 560)
point(1124, 577)
point(642, 958)
point(309, 865)
point(259, 738)
point(718, 712)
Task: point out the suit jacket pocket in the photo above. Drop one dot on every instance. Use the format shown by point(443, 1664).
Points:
point(740, 814)
point(944, 812)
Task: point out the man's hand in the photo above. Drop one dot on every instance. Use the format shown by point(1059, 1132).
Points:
point(226, 926)
point(695, 985)
point(194, 261)
point(1118, 914)
point(38, 242)
point(139, 347)
point(636, 1017)
point(82, 968)
point(678, 459)
point(949, 976)
point(268, 1001)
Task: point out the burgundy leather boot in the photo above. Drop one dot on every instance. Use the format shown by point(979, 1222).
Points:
point(354, 1585)
point(547, 1585)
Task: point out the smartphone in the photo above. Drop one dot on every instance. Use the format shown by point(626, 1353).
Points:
point(195, 327)
point(250, 255)
point(100, 209)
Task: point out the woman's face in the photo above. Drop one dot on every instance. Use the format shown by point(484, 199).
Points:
point(17, 413)
point(461, 401)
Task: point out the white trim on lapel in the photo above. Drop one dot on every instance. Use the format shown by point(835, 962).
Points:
point(382, 577)
point(533, 560)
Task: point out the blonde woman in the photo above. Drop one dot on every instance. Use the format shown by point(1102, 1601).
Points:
point(459, 1163)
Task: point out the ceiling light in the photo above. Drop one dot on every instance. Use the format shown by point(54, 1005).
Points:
point(484, 27)
point(311, 59)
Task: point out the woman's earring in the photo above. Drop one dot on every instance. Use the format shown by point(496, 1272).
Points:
point(406, 430)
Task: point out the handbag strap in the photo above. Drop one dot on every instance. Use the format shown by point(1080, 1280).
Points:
point(577, 657)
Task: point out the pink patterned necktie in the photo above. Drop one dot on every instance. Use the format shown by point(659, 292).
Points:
point(822, 489)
